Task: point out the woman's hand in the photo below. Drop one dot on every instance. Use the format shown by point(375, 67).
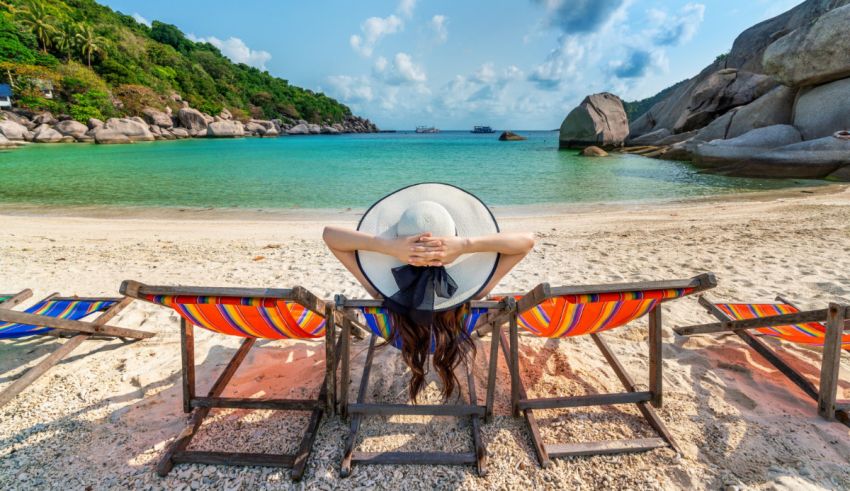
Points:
point(438, 251)
point(405, 249)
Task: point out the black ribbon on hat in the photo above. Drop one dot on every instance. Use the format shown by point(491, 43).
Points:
point(418, 287)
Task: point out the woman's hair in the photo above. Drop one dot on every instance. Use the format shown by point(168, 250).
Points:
point(451, 345)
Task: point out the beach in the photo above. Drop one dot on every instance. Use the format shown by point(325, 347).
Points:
point(101, 418)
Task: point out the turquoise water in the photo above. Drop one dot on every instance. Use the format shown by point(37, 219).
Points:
point(343, 171)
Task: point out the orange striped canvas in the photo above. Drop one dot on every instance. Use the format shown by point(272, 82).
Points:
point(808, 333)
point(266, 318)
point(576, 315)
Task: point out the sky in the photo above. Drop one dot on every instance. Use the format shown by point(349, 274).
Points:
point(509, 64)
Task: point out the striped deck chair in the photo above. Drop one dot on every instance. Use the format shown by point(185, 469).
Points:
point(251, 314)
point(589, 310)
point(57, 316)
point(785, 321)
point(378, 321)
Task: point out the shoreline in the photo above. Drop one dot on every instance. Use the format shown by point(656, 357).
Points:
point(308, 214)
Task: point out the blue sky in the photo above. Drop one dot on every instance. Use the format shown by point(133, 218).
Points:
point(520, 64)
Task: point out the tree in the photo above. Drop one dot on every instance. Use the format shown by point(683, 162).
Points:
point(36, 18)
point(89, 43)
point(65, 38)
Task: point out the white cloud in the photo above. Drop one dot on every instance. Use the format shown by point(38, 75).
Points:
point(351, 89)
point(672, 30)
point(236, 49)
point(402, 71)
point(561, 63)
point(438, 25)
point(141, 20)
point(373, 29)
point(405, 8)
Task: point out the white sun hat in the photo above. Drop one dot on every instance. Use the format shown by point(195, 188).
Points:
point(443, 210)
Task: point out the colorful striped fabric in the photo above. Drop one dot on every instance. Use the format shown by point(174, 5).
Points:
point(59, 309)
point(576, 315)
point(808, 333)
point(378, 320)
point(268, 318)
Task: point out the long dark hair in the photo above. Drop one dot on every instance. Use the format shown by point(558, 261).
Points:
point(451, 342)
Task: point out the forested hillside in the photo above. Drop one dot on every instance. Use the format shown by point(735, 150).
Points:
point(102, 63)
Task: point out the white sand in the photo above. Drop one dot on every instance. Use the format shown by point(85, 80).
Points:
point(102, 417)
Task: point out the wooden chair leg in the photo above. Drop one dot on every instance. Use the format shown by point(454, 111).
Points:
point(345, 371)
point(345, 468)
point(330, 363)
point(480, 450)
point(514, 366)
point(187, 342)
point(495, 335)
point(655, 358)
point(831, 361)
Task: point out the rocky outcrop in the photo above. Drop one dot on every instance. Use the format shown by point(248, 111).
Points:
point(13, 131)
point(651, 138)
point(823, 110)
point(299, 129)
point(74, 129)
point(157, 118)
point(592, 151)
point(225, 129)
point(192, 119)
point(45, 134)
point(45, 118)
point(133, 129)
point(768, 110)
point(599, 120)
point(814, 159)
point(510, 136)
point(106, 135)
point(814, 53)
point(180, 133)
point(720, 92)
point(724, 152)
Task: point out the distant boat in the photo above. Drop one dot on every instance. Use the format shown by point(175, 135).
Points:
point(482, 129)
point(426, 129)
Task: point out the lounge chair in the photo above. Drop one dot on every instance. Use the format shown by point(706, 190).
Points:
point(249, 313)
point(378, 321)
point(785, 321)
point(57, 316)
point(559, 312)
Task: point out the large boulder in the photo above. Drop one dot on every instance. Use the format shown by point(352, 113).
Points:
point(599, 120)
point(814, 53)
point(720, 92)
point(46, 134)
point(44, 118)
point(225, 115)
point(823, 110)
point(813, 159)
point(180, 133)
point(131, 128)
point(225, 129)
point(768, 110)
point(724, 152)
point(510, 136)
point(95, 123)
point(593, 151)
point(106, 135)
point(651, 138)
point(314, 129)
point(192, 119)
point(13, 131)
point(157, 118)
point(74, 129)
point(298, 129)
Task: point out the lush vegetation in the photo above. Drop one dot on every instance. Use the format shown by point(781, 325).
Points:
point(103, 63)
point(636, 109)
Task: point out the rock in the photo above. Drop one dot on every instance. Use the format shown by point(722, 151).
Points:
point(314, 129)
point(155, 130)
point(651, 138)
point(676, 138)
point(299, 129)
point(225, 129)
point(73, 128)
point(842, 174)
point(720, 92)
point(157, 118)
point(271, 132)
point(338, 127)
point(593, 151)
point(681, 151)
point(45, 134)
point(813, 159)
point(225, 115)
point(180, 133)
point(44, 118)
point(12, 130)
point(329, 130)
point(94, 123)
point(106, 135)
point(723, 152)
point(510, 136)
point(814, 53)
point(134, 129)
point(771, 109)
point(599, 120)
point(191, 119)
point(823, 110)
point(258, 128)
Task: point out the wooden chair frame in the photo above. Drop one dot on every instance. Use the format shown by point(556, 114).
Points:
point(497, 313)
point(200, 406)
point(645, 400)
point(834, 318)
point(78, 331)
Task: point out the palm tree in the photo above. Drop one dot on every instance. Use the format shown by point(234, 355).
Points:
point(65, 38)
point(89, 42)
point(39, 22)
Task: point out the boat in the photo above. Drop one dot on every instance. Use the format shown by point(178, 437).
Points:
point(483, 129)
point(426, 129)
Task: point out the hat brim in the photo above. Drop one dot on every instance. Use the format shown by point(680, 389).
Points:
point(472, 218)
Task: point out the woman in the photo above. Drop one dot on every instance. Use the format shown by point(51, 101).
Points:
point(427, 250)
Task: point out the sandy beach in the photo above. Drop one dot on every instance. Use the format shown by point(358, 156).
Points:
point(101, 418)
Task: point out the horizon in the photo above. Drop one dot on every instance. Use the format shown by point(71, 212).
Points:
point(509, 66)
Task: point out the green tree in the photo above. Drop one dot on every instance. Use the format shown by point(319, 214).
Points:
point(89, 42)
point(39, 21)
point(65, 38)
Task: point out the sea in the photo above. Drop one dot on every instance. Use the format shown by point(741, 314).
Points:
point(345, 171)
